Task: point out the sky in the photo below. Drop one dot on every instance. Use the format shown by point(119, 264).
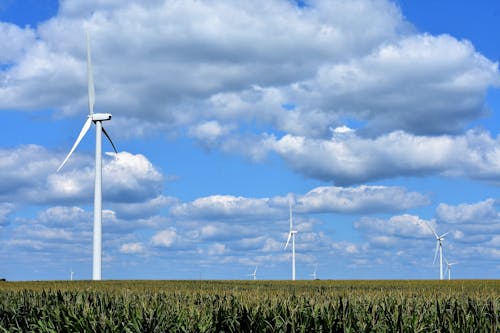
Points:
point(375, 119)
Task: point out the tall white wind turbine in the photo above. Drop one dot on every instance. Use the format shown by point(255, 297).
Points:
point(439, 247)
point(97, 119)
point(448, 267)
point(291, 235)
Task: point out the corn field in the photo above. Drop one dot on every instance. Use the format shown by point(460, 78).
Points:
point(250, 306)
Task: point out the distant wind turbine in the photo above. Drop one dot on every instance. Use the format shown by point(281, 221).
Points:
point(291, 235)
point(97, 119)
point(254, 274)
point(71, 275)
point(448, 267)
point(314, 273)
point(439, 247)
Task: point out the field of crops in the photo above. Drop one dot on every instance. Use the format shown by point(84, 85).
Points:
point(250, 306)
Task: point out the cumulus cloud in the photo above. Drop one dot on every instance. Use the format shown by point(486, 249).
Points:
point(143, 209)
point(132, 248)
point(348, 158)
point(20, 40)
point(39, 231)
point(168, 238)
point(362, 199)
point(218, 231)
point(6, 209)
point(225, 73)
point(421, 84)
point(131, 178)
point(63, 216)
point(208, 132)
point(473, 223)
point(470, 229)
point(483, 212)
point(408, 226)
point(224, 206)
point(23, 169)
point(204, 58)
point(216, 249)
point(28, 175)
point(324, 199)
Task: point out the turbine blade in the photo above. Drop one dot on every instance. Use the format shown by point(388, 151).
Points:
point(109, 138)
point(446, 233)
point(291, 223)
point(436, 253)
point(84, 131)
point(430, 228)
point(288, 240)
point(90, 78)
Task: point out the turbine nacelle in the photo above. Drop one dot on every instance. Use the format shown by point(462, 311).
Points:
point(100, 116)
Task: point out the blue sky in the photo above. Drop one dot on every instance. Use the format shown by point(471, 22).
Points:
point(373, 117)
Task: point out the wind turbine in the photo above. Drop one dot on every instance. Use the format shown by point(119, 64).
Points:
point(254, 274)
point(439, 247)
point(448, 267)
point(314, 273)
point(291, 235)
point(71, 275)
point(97, 119)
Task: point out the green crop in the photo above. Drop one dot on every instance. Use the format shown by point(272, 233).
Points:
point(250, 306)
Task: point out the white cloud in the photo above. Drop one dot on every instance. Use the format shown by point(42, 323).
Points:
point(132, 248)
point(168, 238)
point(483, 212)
point(471, 223)
point(216, 249)
point(131, 178)
point(436, 78)
point(407, 226)
point(211, 65)
point(351, 159)
point(324, 199)
point(224, 206)
point(221, 231)
point(471, 231)
point(143, 209)
point(28, 175)
point(5, 210)
point(208, 132)
point(347, 248)
point(22, 168)
point(226, 73)
point(362, 199)
point(38, 231)
point(19, 41)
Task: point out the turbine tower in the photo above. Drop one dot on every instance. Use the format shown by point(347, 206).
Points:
point(439, 247)
point(291, 235)
point(97, 119)
point(448, 267)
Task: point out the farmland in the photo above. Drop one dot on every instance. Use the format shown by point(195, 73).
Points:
point(250, 306)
